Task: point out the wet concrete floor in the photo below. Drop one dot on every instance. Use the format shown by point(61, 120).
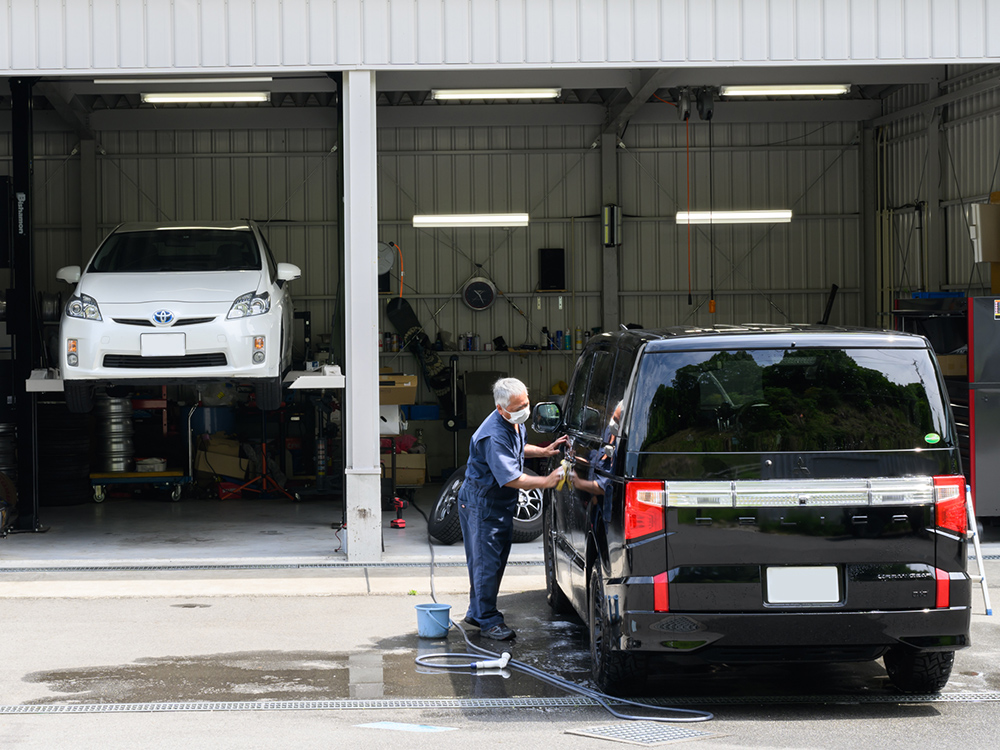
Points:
point(385, 668)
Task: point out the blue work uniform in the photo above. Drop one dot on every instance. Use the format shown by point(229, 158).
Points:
point(486, 511)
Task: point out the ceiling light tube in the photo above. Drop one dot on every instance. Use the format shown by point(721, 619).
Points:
point(205, 97)
point(471, 220)
point(183, 81)
point(496, 93)
point(782, 216)
point(803, 89)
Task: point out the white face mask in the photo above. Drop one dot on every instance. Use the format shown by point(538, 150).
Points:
point(519, 417)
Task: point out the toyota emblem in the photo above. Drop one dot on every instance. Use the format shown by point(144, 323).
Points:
point(163, 317)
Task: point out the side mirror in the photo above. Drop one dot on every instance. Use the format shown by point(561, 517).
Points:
point(69, 274)
point(288, 272)
point(546, 418)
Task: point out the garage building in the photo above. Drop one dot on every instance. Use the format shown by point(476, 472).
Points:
point(349, 141)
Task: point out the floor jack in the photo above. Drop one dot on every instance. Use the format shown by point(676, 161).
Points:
point(398, 504)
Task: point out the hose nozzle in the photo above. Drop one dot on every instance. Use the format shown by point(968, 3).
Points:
point(493, 663)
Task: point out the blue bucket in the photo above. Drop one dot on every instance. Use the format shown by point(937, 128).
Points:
point(433, 620)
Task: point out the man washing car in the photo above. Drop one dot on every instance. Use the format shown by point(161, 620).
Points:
point(487, 499)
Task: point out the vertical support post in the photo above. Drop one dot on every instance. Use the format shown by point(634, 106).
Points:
point(868, 229)
point(362, 491)
point(88, 198)
point(23, 327)
point(937, 256)
point(610, 316)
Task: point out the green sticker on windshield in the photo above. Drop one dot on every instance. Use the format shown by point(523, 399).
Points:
point(932, 437)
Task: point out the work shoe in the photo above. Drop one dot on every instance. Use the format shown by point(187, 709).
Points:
point(498, 633)
point(469, 621)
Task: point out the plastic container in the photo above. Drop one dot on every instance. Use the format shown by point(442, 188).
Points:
point(433, 620)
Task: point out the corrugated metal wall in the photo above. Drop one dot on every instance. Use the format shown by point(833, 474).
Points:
point(286, 179)
point(969, 154)
point(181, 36)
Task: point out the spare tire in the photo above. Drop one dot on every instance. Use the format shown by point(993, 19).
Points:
point(443, 523)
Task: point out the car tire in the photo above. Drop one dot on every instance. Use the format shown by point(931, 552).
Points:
point(79, 396)
point(614, 672)
point(554, 595)
point(528, 516)
point(443, 523)
point(912, 671)
point(269, 393)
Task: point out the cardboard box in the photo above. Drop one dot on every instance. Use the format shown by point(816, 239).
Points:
point(397, 389)
point(220, 442)
point(390, 420)
point(411, 468)
point(207, 464)
point(954, 365)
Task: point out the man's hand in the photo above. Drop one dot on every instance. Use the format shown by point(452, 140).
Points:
point(555, 477)
point(552, 449)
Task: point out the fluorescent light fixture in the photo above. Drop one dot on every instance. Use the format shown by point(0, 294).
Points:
point(181, 81)
point(495, 93)
point(471, 220)
point(734, 217)
point(204, 97)
point(802, 89)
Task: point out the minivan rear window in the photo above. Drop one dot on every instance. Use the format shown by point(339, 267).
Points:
point(801, 399)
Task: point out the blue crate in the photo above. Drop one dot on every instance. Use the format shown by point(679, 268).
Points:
point(418, 412)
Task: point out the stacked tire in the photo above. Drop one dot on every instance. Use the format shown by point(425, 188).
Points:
point(63, 456)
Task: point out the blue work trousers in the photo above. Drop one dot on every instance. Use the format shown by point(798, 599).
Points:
point(487, 530)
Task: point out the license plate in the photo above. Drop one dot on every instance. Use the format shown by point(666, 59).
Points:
point(815, 584)
point(162, 344)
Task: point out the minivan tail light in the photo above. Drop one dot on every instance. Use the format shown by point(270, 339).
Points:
point(949, 503)
point(644, 508)
point(942, 600)
point(661, 597)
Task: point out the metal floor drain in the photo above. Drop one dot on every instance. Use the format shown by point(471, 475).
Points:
point(568, 701)
point(645, 733)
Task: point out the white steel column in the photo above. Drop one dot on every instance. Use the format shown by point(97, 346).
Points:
point(362, 480)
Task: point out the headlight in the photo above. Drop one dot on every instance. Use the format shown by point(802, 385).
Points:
point(249, 304)
point(83, 306)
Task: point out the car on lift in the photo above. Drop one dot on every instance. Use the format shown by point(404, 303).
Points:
point(760, 494)
point(177, 302)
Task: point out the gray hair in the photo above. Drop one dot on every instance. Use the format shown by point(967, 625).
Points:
point(505, 389)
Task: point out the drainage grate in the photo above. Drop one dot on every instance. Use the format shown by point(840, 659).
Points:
point(327, 705)
point(467, 703)
point(646, 733)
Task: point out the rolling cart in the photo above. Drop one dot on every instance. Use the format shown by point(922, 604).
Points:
point(175, 480)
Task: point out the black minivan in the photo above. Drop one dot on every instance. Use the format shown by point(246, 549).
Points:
point(757, 494)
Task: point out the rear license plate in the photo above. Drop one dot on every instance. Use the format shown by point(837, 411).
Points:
point(814, 584)
point(162, 344)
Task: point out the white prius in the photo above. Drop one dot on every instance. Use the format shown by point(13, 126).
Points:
point(168, 303)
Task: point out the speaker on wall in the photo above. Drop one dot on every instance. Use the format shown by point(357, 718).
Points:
point(551, 269)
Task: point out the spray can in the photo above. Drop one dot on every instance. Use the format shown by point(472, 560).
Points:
point(578, 340)
point(568, 341)
point(559, 338)
point(545, 341)
point(381, 343)
point(461, 342)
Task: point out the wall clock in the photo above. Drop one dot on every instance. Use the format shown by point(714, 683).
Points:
point(479, 293)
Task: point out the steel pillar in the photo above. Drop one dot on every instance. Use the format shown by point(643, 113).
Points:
point(362, 481)
point(24, 325)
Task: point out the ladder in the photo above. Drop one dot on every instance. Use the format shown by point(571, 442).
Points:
point(973, 534)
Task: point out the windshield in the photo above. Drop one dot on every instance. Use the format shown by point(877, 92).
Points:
point(788, 400)
point(171, 250)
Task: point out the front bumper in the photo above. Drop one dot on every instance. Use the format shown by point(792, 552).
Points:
point(111, 352)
